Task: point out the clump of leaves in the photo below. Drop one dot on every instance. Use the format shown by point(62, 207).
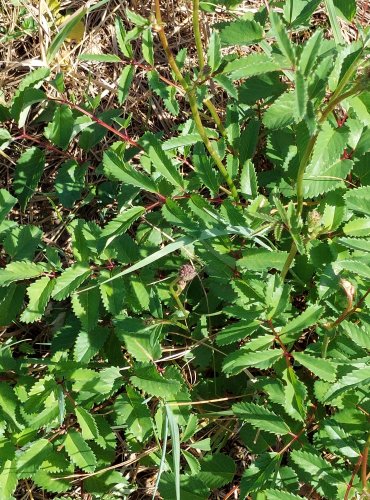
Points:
point(236, 250)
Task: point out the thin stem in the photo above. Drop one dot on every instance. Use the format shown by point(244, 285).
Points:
point(191, 94)
point(289, 260)
point(213, 111)
point(365, 455)
point(197, 35)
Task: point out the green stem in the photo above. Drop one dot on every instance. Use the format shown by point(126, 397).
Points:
point(197, 35)
point(365, 455)
point(289, 260)
point(191, 94)
point(213, 111)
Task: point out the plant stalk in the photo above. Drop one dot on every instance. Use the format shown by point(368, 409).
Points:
point(191, 94)
point(197, 35)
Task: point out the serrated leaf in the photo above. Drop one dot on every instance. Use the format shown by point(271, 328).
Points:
point(39, 294)
point(203, 167)
point(30, 460)
point(319, 473)
point(310, 52)
point(191, 487)
point(216, 470)
point(356, 243)
point(358, 200)
point(251, 65)
point(341, 441)
point(22, 270)
point(259, 259)
point(11, 303)
point(69, 182)
point(295, 393)
point(355, 267)
point(70, 279)
point(281, 112)
point(27, 174)
point(214, 51)
point(86, 307)
point(358, 226)
point(301, 96)
point(122, 222)
point(359, 335)
point(161, 161)
point(240, 32)
point(346, 8)
point(308, 318)
point(248, 180)
point(124, 82)
point(116, 169)
point(7, 202)
point(237, 331)
point(259, 473)
point(59, 130)
point(280, 495)
point(79, 451)
point(147, 47)
point(236, 362)
point(133, 413)
point(51, 481)
point(89, 343)
point(87, 423)
point(325, 178)
point(147, 379)
point(261, 418)
point(8, 479)
point(355, 379)
point(322, 368)
point(282, 38)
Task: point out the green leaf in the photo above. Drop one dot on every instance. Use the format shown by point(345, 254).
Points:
point(355, 267)
point(191, 487)
point(8, 479)
point(236, 362)
point(359, 335)
point(108, 58)
point(240, 32)
point(322, 368)
point(70, 279)
point(260, 473)
point(204, 169)
point(89, 343)
point(355, 243)
point(237, 331)
point(39, 294)
point(319, 473)
point(87, 423)
point(30, 460)
point(259, 259)
point(63, 33)
point(161, 162)
point(124, 82)
point(116, 169)
point(11, 303)
point(7, 202)
point(261, 418)
point(59, 130)
point(346, 8)
point(79, 451)
point(147, 379)
point(22, 241)
point(321, 178)
point(22, 103)
point(282, 38)
point(17, 271)
point(359, 226)
point(217, 470)
point(281, 113)
point(175, 439)
point(69, 182)
point(280, 495)
point(248, 180)
point(133, 414)
point(342, 442)
point(251, 65)
point(27, 174)
point(214, 51)
point(310, 52)
point(147, 47)
point(358, 200)
point(120, 224)
point(86, 307)
point(308, 318)
point(301, 96)
point(358, 378)
point(295, 393)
